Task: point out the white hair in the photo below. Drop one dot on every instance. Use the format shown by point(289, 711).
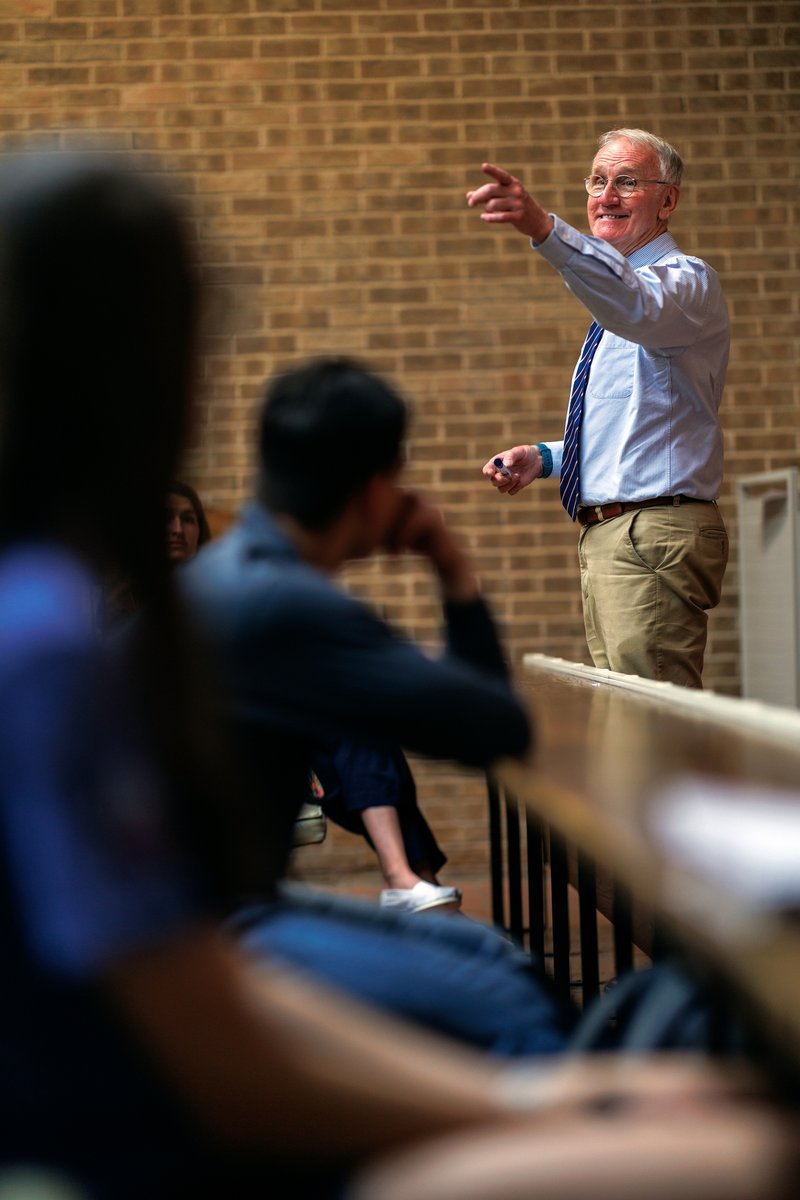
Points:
point(670, 163)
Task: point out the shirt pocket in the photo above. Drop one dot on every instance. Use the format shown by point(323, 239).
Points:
point(625, 371)
point(613, 369)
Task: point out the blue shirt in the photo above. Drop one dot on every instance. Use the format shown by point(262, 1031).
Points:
point(88, 875)
point(301, 661)
point(300, 655)
point(88, 862)
point(651, 424)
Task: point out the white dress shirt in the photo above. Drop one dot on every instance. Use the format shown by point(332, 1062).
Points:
point(650, 424)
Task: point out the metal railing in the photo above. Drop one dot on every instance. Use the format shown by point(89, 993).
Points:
point(532, 870)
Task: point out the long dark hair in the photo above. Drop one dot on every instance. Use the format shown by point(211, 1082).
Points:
point(97, 313)
point(177, 488)
point(98, 305)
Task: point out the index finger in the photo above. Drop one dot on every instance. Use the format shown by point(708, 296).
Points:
point(498, 173)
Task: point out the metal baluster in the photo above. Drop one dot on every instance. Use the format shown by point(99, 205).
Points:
point(495, 852)
point(559, 882)
point(514, 847)
point(587, 908)
point(623, 930)
point(536, 909)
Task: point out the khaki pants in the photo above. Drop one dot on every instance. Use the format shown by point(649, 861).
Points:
point(648, 579)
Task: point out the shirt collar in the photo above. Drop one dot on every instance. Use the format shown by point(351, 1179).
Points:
point(651, 252)
point(262, 530)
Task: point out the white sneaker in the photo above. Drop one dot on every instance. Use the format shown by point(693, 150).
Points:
point(423, 895)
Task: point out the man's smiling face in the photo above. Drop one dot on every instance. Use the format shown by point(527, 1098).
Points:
point(629, 222)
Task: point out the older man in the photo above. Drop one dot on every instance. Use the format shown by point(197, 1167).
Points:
point(640, 465)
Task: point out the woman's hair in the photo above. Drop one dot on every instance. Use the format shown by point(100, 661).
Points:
point(98, 304)
point(177, 488)
point(97, 317)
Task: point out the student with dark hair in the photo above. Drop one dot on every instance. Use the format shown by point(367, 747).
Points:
point(302, 665)
point(368, 790)
point(116, 838)
point(305, 660)
point(186, 530)
point(328, 428)
point(187, 526)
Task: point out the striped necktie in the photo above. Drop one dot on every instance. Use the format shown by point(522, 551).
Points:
point(570, 486)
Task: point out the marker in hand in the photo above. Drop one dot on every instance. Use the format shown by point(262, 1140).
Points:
point(502, 468)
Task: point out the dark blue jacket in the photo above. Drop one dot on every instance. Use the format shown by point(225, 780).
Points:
point(301, 661)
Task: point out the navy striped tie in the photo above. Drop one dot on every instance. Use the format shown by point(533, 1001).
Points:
point(570, 486)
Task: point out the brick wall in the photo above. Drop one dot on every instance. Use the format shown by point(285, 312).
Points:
point(326, 146)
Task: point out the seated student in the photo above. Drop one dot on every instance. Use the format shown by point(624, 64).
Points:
point(186, 531)
point(301, 663)
point(187, 526)
point(368, 788)
point(504, 1006)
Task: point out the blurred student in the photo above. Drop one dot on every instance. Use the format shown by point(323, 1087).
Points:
point(368, 790)
point(301, 661)
point(186, 530)
point(303, 664)
point(504, 1005)
point(187, 526)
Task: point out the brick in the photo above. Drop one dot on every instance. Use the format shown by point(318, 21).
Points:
point(89, 51)
point(27, 8)
point(187, 72)
point(224, 48)
point(157, 8)
point(154, 51)
point(51, 31)
point(124, 74)
point(84, 8)
point(123, 30)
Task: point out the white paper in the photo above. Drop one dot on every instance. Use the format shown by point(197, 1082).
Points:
point(745, 837)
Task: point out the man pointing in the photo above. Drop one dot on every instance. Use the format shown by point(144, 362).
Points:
point(640, 466)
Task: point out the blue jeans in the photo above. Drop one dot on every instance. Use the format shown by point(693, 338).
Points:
point(447, 973)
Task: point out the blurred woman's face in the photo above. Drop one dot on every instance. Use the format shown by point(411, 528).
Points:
point(183, 531)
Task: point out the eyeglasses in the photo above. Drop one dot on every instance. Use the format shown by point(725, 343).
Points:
point(623, 185)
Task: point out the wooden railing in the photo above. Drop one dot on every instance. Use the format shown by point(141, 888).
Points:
point(600, 812)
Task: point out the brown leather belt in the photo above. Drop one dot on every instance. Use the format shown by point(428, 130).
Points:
point(593, 513)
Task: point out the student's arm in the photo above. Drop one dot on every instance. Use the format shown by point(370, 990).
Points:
point(470, 630)
point(267, 1062)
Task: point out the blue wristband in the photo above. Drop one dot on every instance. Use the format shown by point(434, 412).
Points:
point(547, 459)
